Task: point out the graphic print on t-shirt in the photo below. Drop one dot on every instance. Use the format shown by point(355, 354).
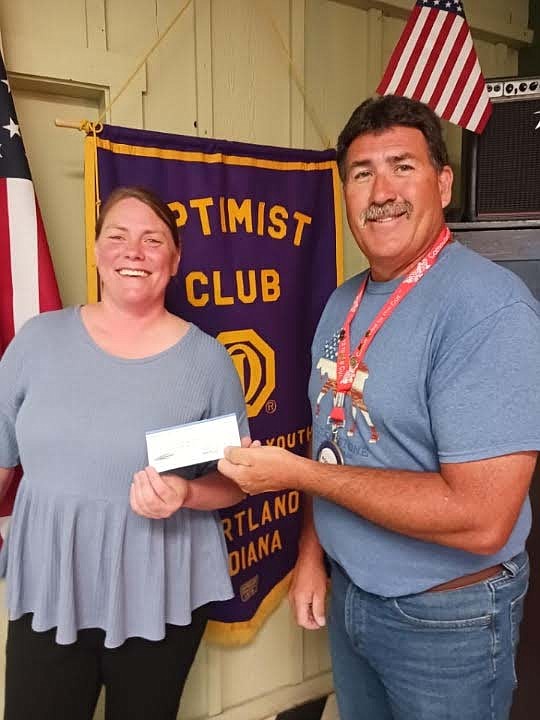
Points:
point(327, 368)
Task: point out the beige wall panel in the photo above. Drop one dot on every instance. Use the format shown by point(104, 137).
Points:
point(513, 12)
point(265, 664)
point(348, 63)
point(250, 71)
point(317, 132)
point(351, 83)
point(391, 31)
point(496, 60)
point(170, 103)
point(132, 26)
point(203, 43)
point(62, 22)
point(127, 106)
point(376, 59)
point(195, 698)
point(452, 137)
point(337, 66)
point(93, 69)
point(316, 653)
point(95, 24)
point(56, 161)
point(298, 69)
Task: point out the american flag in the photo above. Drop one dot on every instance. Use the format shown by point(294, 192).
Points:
point(331, 347)
point(435, 62)
point(27, 282)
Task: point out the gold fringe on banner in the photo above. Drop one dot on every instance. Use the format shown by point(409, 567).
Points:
point(241, 633)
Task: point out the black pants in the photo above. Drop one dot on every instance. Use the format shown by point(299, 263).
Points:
point(143, 679)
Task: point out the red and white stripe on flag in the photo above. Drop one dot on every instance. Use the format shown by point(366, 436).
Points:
point(27, 281)
point(435, 62)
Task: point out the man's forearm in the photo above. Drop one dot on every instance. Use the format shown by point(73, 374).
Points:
point(412, 503)
point(472, 506)
point(426, 505)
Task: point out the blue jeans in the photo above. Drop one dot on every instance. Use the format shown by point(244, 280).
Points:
point(445, 655)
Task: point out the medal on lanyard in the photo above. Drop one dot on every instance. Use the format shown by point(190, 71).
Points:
point(329, 452)
point(347, 364)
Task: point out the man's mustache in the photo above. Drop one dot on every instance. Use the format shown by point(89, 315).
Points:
point(387, 210)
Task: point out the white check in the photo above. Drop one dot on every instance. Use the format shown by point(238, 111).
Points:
point(197, 442)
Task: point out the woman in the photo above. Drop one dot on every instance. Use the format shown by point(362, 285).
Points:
point(109, 565)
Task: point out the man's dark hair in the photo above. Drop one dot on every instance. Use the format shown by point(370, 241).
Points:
point(376, 115)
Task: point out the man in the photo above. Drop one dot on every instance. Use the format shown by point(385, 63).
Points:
point(425, 389)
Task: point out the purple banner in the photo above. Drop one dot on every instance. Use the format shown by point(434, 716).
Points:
point(261, 252)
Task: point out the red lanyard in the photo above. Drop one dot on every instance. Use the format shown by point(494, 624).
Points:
point(347, 365)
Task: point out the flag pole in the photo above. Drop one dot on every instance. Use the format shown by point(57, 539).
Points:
point(82, 125)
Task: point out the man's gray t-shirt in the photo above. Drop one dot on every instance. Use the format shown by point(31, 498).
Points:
point(77, 556)
point(452, 376)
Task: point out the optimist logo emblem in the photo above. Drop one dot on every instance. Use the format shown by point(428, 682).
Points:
point(255, 363)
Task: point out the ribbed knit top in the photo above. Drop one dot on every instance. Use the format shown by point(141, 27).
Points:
point(75, 416)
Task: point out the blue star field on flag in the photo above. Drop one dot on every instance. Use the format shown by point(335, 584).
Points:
point(454, 6)
point(13, 161)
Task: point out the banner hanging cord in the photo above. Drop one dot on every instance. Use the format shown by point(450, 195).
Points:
point(94, 129)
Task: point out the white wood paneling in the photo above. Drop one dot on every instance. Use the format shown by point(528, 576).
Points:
point(170, 103)
point(61, 22)
point(336, 65)
point(203, 45)
point(376, 56)
point(132, 26)
point(297, 83)
point(250, 74)
point(270, 652)
point(316, 653)
point(96, 35)
point(337, 77)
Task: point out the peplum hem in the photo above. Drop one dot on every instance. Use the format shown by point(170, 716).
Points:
point(77, 562)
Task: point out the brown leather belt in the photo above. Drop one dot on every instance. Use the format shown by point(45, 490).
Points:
point(465, 580)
